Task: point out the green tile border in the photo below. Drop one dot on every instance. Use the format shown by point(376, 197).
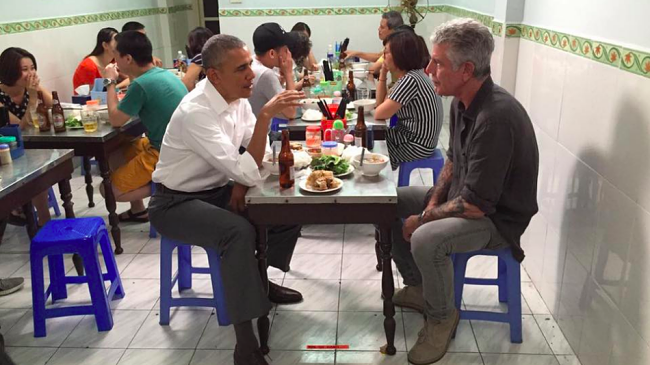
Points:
point(497, 28)
point(617, 56)
point(42, 24)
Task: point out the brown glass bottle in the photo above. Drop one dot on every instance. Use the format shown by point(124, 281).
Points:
point(360, 130)
point(43, 117)
point(352, 90)
point(305, 79)
point(57, 114)
point(286, 162)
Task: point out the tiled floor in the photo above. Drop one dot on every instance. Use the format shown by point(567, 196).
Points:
point(333, 267)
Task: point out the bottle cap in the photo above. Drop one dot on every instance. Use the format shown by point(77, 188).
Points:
point(329, 144)
point(348, 138)
point(313, 128)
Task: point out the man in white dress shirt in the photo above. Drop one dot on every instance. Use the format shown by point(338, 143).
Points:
point(196, 201)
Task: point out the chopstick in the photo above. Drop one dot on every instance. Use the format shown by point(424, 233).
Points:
point(273, 155)
point(329, 114)
point(363, 151)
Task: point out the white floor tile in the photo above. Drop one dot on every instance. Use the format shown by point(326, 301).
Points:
point(9, 317)
point(30, 355)
point(315, 266)
point(125, 325)
point(318, 295)
point(464, 341)
point(184, 331)
point(361, 295)
point(533, 299)
point(302, 357)
point(211, 357)
point(216, 337)
point(64, 356)
point(508, 359)
point(460, 359)
point(156, 357)
point(140, 294)
point(493, 337)
point(26, 272)
point(568, 360)
point(145, 266)
point(554, 335)
point(486, 298)
point(9, 263)
point(370, 357)
point(295, 330)
point(364, 331)
point(361, 267)
point(58, 329)
point(21, 299)
point(359, 238)
point(321, 239)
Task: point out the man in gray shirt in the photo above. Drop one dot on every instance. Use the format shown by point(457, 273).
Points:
point(271, 50)
point(486, 193)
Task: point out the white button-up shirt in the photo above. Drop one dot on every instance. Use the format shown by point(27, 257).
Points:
point(200, 150)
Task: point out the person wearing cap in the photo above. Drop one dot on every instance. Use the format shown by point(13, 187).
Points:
point(271, 44)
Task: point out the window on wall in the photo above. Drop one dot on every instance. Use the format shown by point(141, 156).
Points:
point(210, 15)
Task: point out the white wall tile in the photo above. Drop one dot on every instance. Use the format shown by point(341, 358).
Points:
point(547, 87)
point(523, 83)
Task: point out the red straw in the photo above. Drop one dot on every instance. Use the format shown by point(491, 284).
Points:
point(328, 347)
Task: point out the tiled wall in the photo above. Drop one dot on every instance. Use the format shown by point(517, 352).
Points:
point(588, 250)
point(59, 49)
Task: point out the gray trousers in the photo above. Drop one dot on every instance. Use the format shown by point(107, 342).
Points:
point(425, 260)
point(204, 220)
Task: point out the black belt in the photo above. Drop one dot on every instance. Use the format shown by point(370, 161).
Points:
point(165, 190)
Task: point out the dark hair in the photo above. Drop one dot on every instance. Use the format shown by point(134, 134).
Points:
point(299, 46)
point(135, 44)
point(301, 27)
point(104, 35)
point(10, 71)
point(132, 26)
point(409, 50)
point(393, 19)
point(196, 40)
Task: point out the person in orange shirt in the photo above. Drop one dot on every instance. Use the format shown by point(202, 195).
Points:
point(92, 67)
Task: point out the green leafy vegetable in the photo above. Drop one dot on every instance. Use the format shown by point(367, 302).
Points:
point(330, 163)
point(73, 122)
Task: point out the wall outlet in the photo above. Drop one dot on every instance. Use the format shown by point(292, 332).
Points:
point(235, 1)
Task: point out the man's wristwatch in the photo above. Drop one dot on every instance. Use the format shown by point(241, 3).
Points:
point(108, 82)
point(421, 216)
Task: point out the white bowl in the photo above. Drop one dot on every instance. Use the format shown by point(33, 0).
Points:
point(267, 162)
point(313, 103)
point(367, 104)
point(370, 168)
point(360, 66)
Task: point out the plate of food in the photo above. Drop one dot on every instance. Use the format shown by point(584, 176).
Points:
point(321, 182)
point(311, 115)
point(73, 122)
point(350, 116)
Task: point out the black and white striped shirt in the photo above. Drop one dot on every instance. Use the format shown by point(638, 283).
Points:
point(419, 119)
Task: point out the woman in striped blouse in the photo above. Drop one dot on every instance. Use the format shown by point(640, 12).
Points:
point(412, 98)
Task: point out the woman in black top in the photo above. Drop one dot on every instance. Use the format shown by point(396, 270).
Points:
point(196, 39)
point(412, 98)
point(19, 87)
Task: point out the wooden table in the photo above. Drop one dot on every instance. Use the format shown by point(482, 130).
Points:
point(31, 174)
point(99, 144)
point(362, 200)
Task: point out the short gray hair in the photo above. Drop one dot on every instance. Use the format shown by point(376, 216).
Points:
point(468, 41)
point(393, 19)
point(216, 49)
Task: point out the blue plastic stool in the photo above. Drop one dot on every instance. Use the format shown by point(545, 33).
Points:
point(435, 163)
point(81, 236)
point(152, 230)
point(52, 202)
point(509, 284)
point(184, 279)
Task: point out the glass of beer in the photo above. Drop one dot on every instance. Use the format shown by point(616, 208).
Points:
point(89, 120)
point(34, 117)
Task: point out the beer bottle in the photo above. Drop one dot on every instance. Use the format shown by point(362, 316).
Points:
point(306, 86)
point(352, 90)
point(57, 114)
point(43, 117)
point(360, 130)
point(286, 162)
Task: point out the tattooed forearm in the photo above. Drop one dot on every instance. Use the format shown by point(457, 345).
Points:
point(454, 208)
point(442, 185)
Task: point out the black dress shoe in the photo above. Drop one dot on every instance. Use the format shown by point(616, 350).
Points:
point(281, 295)
point(253, 358)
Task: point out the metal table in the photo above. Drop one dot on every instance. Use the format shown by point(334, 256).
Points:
point(29, 175)
point(369, 200)
point(297, 127)
point(99, 144)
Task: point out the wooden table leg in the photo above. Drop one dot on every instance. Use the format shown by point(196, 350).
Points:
point(263, 323)
point(88, 178)
point(388, 287)
point(32, 228)
point(66, 197)
point(378, 250)
point(111, 205)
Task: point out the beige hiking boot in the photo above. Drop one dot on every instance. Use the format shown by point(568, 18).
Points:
point(410, 297)
point(433, 340)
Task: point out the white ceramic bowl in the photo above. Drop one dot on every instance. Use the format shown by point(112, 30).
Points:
point(360, 66)
point(370, 168)
point(313, 103)
point(368, 105)
point(267, 162)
